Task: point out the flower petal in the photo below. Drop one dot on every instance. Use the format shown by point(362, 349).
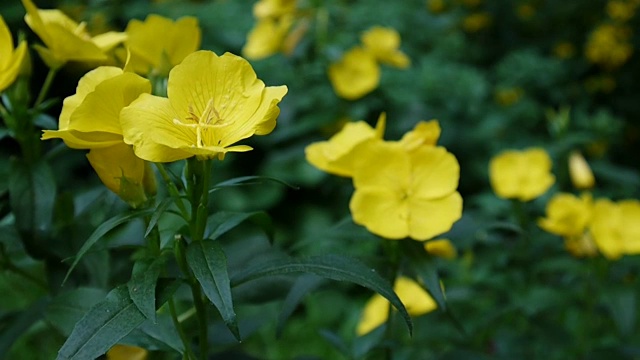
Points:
point(148, 125)
point(434, 172)
point(355, 75)
point(6, 45)
point(415, 298)
point(382, 211)
point(429, 218)
point(375, 313)
point(379, 164)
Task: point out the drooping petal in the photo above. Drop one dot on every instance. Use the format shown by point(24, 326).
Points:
point(415, 298)
point(429, 218)
point(109, 40)
point(79, 140)
point(442, 248)
point(6, 45)
point(148, 125)
point(9, 73)
point(434, 172)
point(382, 211)
point(120, 171)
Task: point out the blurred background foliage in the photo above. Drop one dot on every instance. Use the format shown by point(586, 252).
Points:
point(498, 74)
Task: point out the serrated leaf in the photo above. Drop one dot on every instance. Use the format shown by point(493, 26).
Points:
point(223, 221)
point(102, 230)
point(303, 285)
point(102, 326)
point(68, 308)
point(142, 286)
point(209, 265)
point(333, 267)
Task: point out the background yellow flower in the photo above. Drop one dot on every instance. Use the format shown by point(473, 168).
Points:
point(384, 44)
point(522, 175)
point(355, 75)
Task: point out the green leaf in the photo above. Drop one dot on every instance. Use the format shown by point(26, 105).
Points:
point(19, 324)
point(223, 221)
point(249, 180)
point(209, 265)
point(32, 192)
point(68, 308)
point(160, 209)
point(101, 231)
point(142, 286)
point(333, 267)
point(159, 336)
point(303, 285)
point(102, 326)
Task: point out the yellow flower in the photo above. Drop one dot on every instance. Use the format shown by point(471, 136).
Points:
point(159, 43)
point(273, 8)
point(355, 75)
point(126, 352)
point(580, 172)
point(10, 59)
point(476, 22)
point(213, 102)
point(425, 133)
point(267, 37)
point(65, 39)
point(581, 246)
point(384, 44)
point(508, 96)
point(616, 227)
point(401, 193)
point(415, 299)
point(442, 248)
point(335, 155)
point(567, 215)
point(90, 120)
point(436, 6)
point(609, 46)
point(621, 11)
point(522, 175)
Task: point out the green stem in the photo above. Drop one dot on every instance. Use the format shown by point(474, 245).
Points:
point(198, 177)
point(173, 190)
point(185, 342)
point(201, 312)
point(45, 87)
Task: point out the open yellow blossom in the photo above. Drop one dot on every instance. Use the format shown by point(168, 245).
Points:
point(401, 193)
point(567, 215)
point(355, 75)
point(442, 248)
point(335, 155)
point(127, 352)
point(66, 40)
point(616, 227)
point(580, 172)
point(213, 102)
point(159, 43)
point(10, 58)
point(267, 37)
point(416, 300)
point(90, 120)
point(522, 175)
point(273, 8)
point(384, 44)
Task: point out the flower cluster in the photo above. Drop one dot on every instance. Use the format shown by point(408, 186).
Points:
point(609, 46)
point(357, 73)
point(212, 101)
point(277, 29)
point(403, 188)
point(589, 226)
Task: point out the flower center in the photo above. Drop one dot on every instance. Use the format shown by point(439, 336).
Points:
point(208, 120)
